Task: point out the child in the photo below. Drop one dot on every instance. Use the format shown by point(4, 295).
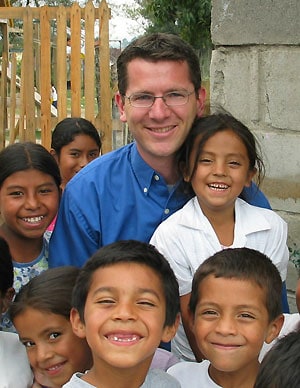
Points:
point(15, 368)
point(29, 198)
point(75, 143)
point(125, 302)
point(234, 307)
point(280, 367)
point(41, 314)
point(220, 158)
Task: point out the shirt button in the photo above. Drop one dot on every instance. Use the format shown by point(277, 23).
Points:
point(156, 177)
point(167, 211)
point(145, 190)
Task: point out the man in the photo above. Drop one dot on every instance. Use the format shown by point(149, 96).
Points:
point(127, 193)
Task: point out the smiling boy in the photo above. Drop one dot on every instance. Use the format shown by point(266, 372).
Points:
point(126, 301)
point(235, 306)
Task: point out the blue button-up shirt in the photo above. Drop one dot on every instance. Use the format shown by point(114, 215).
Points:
point(116, 197)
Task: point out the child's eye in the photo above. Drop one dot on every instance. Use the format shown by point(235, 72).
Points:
point(205, 160)
point(16, 193)
point(28, 344)
point(105, 301)
point(234, 163)
point(75, 154)
point(53, 336)
point(93, 155)
point(247, 316)
point(146, 303)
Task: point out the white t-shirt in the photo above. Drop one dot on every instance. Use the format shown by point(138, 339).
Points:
point(193, 374)
point(187, 238)
point(15, 369)
point(155, 378)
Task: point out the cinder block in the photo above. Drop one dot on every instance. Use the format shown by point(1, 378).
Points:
point(239, 22)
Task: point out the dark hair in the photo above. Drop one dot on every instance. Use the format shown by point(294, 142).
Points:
point(280, 366)
point(208, 126)
point(244, 264)
point(129, 251)
point(158, 47)
point(67, 129)
point(6, 267)
point(51, 292)
point(25, 156)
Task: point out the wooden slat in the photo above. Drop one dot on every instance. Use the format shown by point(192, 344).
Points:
point(105, 96)
point(75, 60)
point(13, 100)
point(45, 78)
point(61, 63)
point(89, 62)
point(29, 79)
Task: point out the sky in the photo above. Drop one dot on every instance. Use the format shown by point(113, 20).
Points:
point(121, 27)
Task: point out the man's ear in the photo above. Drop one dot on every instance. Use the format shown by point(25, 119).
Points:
point(121, 106)
point(77, 325)
point(201, 101)
point(170, 331)
point(7, 299)
point(274, 328)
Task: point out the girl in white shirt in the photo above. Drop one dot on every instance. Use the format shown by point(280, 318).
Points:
point(220, 158)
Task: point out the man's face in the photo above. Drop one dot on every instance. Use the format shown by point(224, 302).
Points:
point(160, 130)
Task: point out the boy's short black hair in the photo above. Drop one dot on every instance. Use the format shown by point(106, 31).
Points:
point(243, 264)
point(129, 251)
point(280, 367)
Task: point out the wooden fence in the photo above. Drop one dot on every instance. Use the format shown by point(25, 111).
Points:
point(26, 100)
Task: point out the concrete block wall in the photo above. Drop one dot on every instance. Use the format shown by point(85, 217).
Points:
point(255, 75)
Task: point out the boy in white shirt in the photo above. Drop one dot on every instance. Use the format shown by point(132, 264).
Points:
point(235, 306)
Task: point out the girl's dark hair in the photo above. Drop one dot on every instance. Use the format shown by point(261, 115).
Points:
point(6, 267)
point(25, 156)
point(70, 127)
point(51, 292)
point(207, 127)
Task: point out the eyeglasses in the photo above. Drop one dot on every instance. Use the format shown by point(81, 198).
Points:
point(144, 100)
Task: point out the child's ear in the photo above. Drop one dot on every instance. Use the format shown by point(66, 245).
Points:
point(251, 175)
point(77, 325)
point(170, 331)
point(7, 299)
point(184, 170)
point(274, 328)
point(54, 154)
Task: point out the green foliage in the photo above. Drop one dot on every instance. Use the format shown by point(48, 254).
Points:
point(189, 19)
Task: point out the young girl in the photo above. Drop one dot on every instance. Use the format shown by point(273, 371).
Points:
point(40, 313)
point(219, 158)
point(75, 143)
point(29, 199)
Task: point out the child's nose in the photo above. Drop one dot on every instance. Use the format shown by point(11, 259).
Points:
point(44, 352)
point(32, 202)
point(226, 326)
point(219, 169)
point(125, 311)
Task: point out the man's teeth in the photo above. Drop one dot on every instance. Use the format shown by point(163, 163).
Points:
point(218, 187)
point(33, 220)
point(161, 130)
